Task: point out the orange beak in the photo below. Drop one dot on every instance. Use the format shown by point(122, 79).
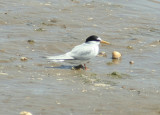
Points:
point(104, 42)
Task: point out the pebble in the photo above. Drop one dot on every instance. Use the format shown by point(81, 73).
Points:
point(75, 1)
point(99, 85)
point(24, 58)
point(129, 47)
point(40, 29)
point(3, 73)
point(116, 55)
point(131, 62)
point(89, 19)
point(54, 20)
point(31, 41)
point(103, 54)
point(25, 113)
point(84, 90)
point(2, 50)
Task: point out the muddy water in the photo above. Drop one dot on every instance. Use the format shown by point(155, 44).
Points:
point(42, 88)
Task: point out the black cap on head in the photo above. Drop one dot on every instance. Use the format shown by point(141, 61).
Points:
point(92, 38)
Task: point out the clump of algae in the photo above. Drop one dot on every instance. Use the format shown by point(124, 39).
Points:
point(118, 75)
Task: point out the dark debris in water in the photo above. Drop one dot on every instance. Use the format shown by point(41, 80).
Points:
point(54, 20)
point(131, 89)
point(54, 24)
point(48, 24)
point(131, 62)
point(129, 47)
point(75, 1)
point(110, 63)
point(40, 29)
point(95, 80)
point(31, 41)
point(118, 75)
point(90, 78)
point(63, 26)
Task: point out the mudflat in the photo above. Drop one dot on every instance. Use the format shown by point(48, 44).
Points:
point(30, 30)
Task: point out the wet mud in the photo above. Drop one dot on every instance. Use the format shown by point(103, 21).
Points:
point(30, 30)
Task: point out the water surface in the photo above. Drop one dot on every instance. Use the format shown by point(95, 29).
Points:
point(44, 88)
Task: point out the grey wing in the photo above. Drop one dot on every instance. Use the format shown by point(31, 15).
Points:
point(82, 52)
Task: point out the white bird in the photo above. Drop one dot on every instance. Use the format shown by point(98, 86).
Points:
point(81, 53)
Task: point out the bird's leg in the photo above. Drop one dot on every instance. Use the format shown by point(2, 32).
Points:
point(85, 67)
point(78, 67)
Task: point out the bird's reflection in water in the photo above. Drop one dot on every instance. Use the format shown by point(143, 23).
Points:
point(69, 67)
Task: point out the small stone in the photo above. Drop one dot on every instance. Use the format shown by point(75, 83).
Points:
point(53, 20)
point(129, 47)
point(64, 26)
point(99, 85)
point(60, 79)
point(131, 62)
point(153, 45)
point(84, 90)
point(138, 92)
point(24, 58)
point(40, 29)
point(89, 19)
point(25, 113)
point(103, 54)
point(75, 1)
point(2, 51)
point(116, 55)
point(31, 41)
point(58, 103)
point(124, 87)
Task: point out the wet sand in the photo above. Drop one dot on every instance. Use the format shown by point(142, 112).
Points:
point(109, 86)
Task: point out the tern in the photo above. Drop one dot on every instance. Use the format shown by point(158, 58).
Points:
point(81, 53)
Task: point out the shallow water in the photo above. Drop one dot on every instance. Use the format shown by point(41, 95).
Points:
point(44, 88)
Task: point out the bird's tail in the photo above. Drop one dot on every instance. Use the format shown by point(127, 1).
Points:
point(60, 57)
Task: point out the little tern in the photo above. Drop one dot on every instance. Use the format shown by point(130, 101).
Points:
point(81, 53)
